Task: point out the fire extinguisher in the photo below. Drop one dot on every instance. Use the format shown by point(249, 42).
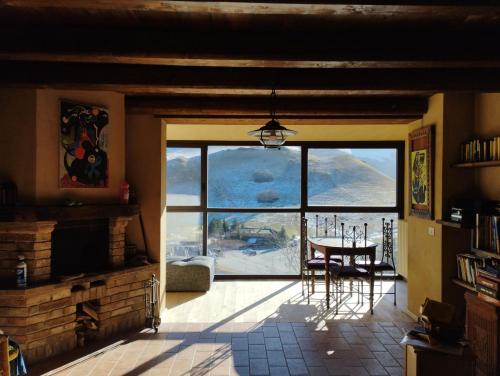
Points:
point(124, 192)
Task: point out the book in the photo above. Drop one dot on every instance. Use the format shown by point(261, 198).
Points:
point(487, 291)
point(480, 150)
point(488, 282)
point(466, 267)
point(488, 299)
point(487, 233)
point(489, 272)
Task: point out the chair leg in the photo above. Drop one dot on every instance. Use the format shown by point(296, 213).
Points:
point(358, 292)
point(337, 297)
point(362, 292)
point(302, 282)
point(313, 273)
point(307, 282)
point(395, 287)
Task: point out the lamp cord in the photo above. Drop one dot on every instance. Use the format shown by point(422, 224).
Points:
point(273, 104)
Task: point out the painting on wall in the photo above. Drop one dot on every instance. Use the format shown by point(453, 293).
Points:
point(421, 171)
point(83, 152)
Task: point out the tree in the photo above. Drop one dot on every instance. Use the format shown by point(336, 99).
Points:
point(282, 235)
point(215, 227)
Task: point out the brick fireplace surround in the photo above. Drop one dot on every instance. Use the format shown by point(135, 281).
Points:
point(42, 317)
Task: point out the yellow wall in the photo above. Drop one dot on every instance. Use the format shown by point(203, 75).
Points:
point(29, 140)
point(356, 132)
point(488, 125)
point(424, 251)
point(146, 172)
point(47, 149)
point(17, 140)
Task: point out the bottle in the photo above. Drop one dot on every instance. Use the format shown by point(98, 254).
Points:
point(124, 193)
point(21, 272)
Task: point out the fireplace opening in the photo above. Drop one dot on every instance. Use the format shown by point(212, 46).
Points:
point(80, 247)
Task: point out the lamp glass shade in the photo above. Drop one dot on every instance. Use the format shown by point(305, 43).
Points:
point(273, 134)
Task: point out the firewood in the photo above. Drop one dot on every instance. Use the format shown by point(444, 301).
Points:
point(89, 310)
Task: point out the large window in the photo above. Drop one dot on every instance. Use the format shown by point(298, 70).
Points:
point(242, 204)
point(253, 177)
point(351, 177)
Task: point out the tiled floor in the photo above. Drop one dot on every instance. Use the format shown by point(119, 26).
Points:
point(283, 343)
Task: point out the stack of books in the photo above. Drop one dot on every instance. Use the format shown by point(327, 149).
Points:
point(488, 284)
point(487, 233)
point(466, 268)
point(480, 150)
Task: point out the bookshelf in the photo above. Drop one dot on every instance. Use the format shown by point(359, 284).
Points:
point(477, 164)
point(453, 224)
point(487, 254)
point(463, 284)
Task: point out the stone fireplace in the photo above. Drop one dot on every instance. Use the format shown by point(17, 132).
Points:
point(75, 257)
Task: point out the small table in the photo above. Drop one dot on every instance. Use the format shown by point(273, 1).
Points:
point(337, 246)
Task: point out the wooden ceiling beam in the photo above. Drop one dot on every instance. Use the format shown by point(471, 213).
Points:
point(257, 123)
point(287, 108)
point(133, 78)
point(250, 49)
point(359, 8)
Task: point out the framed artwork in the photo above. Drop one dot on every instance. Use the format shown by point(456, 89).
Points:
point(83, 150)
point(421, 158)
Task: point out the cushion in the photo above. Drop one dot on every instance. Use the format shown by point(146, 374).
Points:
point(318, 263)
point(377, 265)
point(189, 274)
point(348, 271)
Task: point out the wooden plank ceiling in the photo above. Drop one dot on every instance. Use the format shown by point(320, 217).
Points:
point(217, 61)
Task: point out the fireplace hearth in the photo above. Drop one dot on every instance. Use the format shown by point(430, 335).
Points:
point(45, 318)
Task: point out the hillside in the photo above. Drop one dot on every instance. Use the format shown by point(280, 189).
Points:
point(258, 177)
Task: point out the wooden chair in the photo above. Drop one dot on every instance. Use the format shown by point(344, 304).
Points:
point(310, 263)
point(348, 270)
point(386, 264)
point(329, 230)
point(6, 356)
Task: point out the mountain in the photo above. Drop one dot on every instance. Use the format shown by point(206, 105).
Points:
point(258, 177)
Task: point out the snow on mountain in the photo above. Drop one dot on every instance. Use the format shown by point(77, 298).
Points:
point(257, 177)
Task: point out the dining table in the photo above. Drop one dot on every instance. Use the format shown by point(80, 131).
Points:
point(329, 246)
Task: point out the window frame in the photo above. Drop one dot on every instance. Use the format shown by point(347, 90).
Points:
point(304, 207)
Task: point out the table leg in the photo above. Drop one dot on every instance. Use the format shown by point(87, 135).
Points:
point(327, 279)
point(372, 280)
point(313, 278)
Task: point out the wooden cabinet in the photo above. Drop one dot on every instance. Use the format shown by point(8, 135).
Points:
point(483, 332)
point(433, 363)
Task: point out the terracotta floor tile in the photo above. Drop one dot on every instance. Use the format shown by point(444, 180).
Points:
point(386, 359)
point(296, 339)
point(257, 352)
point(240, 371)
point(278, 371)
point(394, 371)
point(241, 358)
point(256, 338)
point(259, 367)
point(276, 358)
point(373, 367)
point(273, 344)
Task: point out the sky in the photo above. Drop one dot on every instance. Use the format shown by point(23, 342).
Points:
point(173, 152)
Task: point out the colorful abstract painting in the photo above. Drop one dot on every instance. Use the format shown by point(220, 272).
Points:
point(419, 177)
point(421, 148)
point(83, 148)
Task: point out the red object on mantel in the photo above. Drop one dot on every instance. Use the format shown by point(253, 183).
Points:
point(124, 192)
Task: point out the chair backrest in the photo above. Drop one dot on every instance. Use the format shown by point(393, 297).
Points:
point(304, 243)
point(326, 226)
point(388, 241)
point(354, 234)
